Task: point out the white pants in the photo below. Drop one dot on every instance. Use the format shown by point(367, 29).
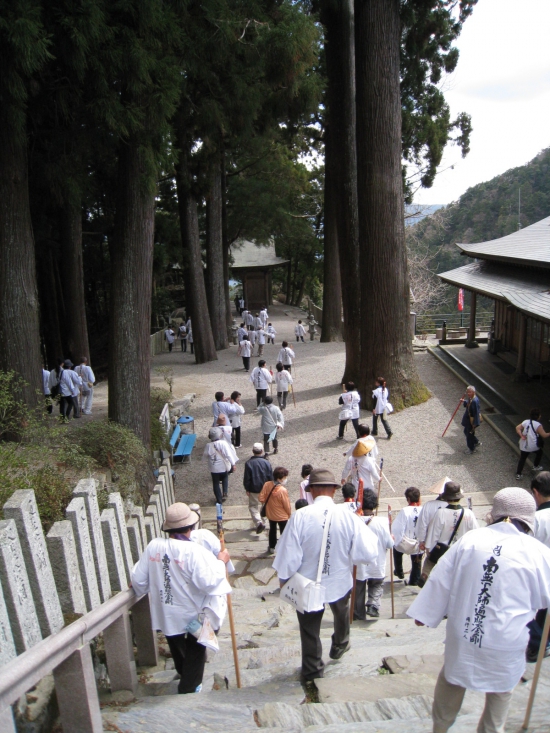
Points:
point(254, 508)
point(87, 399)
point(448, 701)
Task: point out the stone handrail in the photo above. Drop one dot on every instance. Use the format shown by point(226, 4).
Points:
point(158, 343)
point(67, 654)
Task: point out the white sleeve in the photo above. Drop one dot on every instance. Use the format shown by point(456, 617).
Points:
point(399, 526)
point(431, 604)
point(91, 375)
point(140, 575)
point(347, 468)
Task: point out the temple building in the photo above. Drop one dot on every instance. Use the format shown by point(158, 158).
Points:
point(253, 265)
point(514, 272)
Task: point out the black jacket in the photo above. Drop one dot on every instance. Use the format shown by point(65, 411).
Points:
point(257, 470)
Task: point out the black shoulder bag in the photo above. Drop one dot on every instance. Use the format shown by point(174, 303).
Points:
point(441, 548)
point(538, 438)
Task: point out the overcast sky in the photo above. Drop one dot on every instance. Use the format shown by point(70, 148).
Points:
point(503, 81)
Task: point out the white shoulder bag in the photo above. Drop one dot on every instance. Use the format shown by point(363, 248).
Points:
point(304, 594)
point(345, 412)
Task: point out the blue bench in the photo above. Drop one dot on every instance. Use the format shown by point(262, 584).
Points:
point(185, 447)
point(174, 437)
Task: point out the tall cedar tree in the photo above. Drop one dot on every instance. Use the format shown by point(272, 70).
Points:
point(147, 71)
point(23, 51)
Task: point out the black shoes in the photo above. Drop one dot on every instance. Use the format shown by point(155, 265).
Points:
point(339, 653)
point(399, 574)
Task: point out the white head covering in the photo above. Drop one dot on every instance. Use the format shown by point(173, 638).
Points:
point(515, 503)
point(215, 433)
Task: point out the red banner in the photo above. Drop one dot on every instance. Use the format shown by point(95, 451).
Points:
point(460, 299)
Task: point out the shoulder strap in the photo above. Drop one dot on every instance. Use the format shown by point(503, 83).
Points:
point(272, 490)
point(324, 545)
point(455, 530)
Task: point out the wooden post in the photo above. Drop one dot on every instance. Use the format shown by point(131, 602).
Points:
point(471, 342)
point(520, 375)
point(542, 650)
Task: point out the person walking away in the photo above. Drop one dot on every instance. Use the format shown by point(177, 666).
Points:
point(257, 322)
point(244, 316)
point(245, 351)
point(241, 333)
point(370, 576)
point(272, 421)
point(261, 378)
point(349, 400)
point(241, 306)
point(252, 337)
point(531, 440)
point(190, 336)
point(226, 407)
point(257, 472)
point(235, 420)
point(488, 585)
point(428, 511)
point(404, 530)
point(282, 379)
point(88, 380)
point(260, 335)
point(53, 382)
point(299, 331)
point(351, 543)
point(307, 468)
point(69, 385)
point(380, 396)
point(271, 333)
point(285, 356)
point(46, 390)
point(223, 424)
point(349, 492)
point(249, 320)
point(448, 525)
point(263, 317)
point(274, 496)
point(187, 587)
point(540, 486)
point(471, 420)
point(169, 337)
point(183, 336)
point(361, 461)
point(221, 458)
point(311, 323)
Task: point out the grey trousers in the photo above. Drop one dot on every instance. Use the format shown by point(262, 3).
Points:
point(254, 508)
point(310, 630)
point(375, 589)
point(448, 701)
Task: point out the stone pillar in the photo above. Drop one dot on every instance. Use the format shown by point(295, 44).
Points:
point(146, 637)
point(113, 550)
point(161, 492)
point(155, 501)
point(149, 528)
point(22, 508)
point(137, 514)
point(115, 503)
point(166, 470)
point(152, 513)
point(7, 723)
point(87, 490)
point(76, 513)
point(471, 342)
point(76, 692)
point(17, 590)
point(134, 537)
point(520, 375)
point(64, 559)
point(120, 655)
point(7, 644)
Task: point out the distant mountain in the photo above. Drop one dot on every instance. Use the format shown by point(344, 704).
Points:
point(486, 211)
point(416, 212)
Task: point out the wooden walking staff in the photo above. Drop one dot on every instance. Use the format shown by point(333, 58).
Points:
point(271, 383)
point(379, 484)
point(534, 683)
point(292, 393)
point(460, 401)
point(219, 518)
point(359, 512)
point(391, 569)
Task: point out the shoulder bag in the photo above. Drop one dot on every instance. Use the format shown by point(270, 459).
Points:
point(538, 438)
point(345, 412)
point(407, 546)
point(263, 510)
point(441, 548)
point(303, 594)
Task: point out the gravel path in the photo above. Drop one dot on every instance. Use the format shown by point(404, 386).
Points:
point(416, 455)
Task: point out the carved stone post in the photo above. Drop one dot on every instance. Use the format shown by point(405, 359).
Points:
point(76, 692)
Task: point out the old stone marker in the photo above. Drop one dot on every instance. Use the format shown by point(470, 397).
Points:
point(66, 571)
point(115, 502)
point(87, 489)
point(22, 508)
point(137, 514)
point(113, 550)
point(134, 537)
point(76, 513)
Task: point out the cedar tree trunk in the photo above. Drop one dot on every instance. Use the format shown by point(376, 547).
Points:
point(75, 325)
point(131, 284)
point(338, 19)
point(225, 244)
point(332, 287)
point(385, 334)
point(19, 310)
point(195, 291)
point(214, 257)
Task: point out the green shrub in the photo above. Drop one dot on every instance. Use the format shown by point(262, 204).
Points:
point(15, 416)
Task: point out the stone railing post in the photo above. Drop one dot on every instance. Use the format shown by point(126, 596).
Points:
point(76, 692)
point(145, 636)
point(120, 654)
point(7, 723)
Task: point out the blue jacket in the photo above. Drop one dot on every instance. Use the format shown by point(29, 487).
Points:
point(257, 471)
point(471, 411)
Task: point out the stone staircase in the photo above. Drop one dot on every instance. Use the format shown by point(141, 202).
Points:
point(357, 693)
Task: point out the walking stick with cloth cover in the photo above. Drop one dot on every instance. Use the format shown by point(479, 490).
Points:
point(359, 513)
point(219, 519)
point(271, 383)
point(460, 401)
point(391, 569)
point(380, 483)
point(291, 387)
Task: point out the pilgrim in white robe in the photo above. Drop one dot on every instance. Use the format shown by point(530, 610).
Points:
point(427, 513)
point(361, 467)
point(489, 585)
point(442, 526)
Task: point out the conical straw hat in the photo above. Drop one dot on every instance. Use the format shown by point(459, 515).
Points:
point(437, 488)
